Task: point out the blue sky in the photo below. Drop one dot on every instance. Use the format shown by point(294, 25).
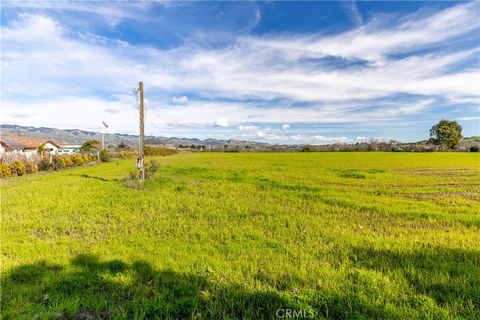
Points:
point(279, 72)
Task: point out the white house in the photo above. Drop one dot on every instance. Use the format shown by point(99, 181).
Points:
point(27, 146)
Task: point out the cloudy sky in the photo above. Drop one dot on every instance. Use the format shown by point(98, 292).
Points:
point(280, 72)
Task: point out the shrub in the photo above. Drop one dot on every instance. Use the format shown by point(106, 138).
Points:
point(150, 168)
point(133, 182)
point(74, 160)
point(77, 159)
point(127, 154)
point(308, 148)
point(104, 156)
point(17, 168)
point(474, 149)
point(80, 158)
point(68, 161)
point(59, 162)
point(159, 151)
point(44, 165)
point(30, 167)
point(86, 158)
point(5, 171)
point(133, 179)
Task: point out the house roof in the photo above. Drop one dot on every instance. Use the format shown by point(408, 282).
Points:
point(11, 143)
point(25, 143)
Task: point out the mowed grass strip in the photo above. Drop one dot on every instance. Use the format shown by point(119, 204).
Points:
point(239, 236)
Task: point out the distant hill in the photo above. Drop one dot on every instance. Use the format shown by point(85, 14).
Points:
point(76, 136)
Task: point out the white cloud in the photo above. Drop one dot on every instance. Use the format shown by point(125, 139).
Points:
point(294, 139)
point(185, 124)
point(468, 118)
point(111, 111)
point(285, 126)
point(46, 67)
point(83, 113)
point(110, 12)
point(382, 139)
point(354, 13)
point(277, 136)
point(376, 40)
point(247, 128)
point(251, 68)
point(261, 134)
point(222, 122)
point(182, 99)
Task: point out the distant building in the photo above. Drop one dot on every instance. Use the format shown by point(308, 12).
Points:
point(27, 146)
point(69, 149)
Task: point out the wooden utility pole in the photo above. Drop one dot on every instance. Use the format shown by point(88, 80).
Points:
point(141, 142)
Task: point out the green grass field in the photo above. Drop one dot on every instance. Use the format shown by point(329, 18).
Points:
point(241, 235)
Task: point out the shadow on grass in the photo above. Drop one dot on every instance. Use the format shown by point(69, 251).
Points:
point(266, 184)
point(91, 289)
point(84, 175)
point(451, 277)
point(438, 283)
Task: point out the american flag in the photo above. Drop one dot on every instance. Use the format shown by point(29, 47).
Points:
point(104, 124)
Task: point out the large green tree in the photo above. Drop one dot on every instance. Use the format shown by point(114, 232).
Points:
point(89, 146)
point(446, 133)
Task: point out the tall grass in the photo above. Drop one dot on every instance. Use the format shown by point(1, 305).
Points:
point(159, 151)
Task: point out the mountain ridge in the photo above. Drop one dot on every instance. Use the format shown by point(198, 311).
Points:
point(78, 136)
